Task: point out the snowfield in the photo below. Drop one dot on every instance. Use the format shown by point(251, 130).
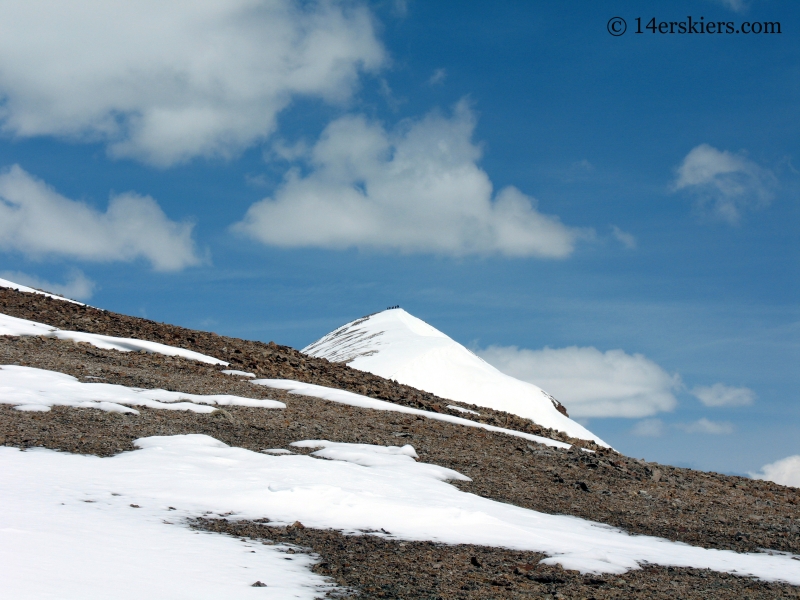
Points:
point(65, 535)
point(78, 526)
point(396, 345)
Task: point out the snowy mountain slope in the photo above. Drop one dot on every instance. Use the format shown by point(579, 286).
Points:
point(396, 345)
point(14, 326)
point(357, 488)
point(521, 495)
point(351, 399)
point(24, 288)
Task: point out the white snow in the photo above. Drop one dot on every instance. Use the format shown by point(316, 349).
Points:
point(461, 409)
point(24, 288)
point(399, 346)
point(108, 549)
point(15, 327)
point(64, 535)
point(399, 458)
point(239, 373)
point(351, 399)
point(37, 390)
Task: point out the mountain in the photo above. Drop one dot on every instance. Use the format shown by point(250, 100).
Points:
point(398, 346)
point(142, 459)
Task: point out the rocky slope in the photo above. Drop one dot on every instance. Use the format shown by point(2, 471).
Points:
point(705, 509)
point(265, 360)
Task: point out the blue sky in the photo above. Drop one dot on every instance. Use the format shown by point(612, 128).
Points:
point(620, 211)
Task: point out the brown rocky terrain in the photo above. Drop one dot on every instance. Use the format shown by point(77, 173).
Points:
point(706, 509)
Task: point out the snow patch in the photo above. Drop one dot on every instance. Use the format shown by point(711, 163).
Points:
point(23, 327)
point(461, 409)
point(37, 390)
point(239, 373)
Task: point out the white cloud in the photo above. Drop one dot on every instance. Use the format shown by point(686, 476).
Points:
point(707, 427)
point(38, 221)
point(785, 471)
point(166, 81)
point(438, 77)
point(723, 182)
point(591, 383)
point(416, 189)
point(723, 395)
point(392, 101)
point(288, 152)
point(626, 239)
point(77, 286)
point(648, 428)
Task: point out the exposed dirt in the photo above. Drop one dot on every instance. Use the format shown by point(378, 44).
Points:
point(705, 509)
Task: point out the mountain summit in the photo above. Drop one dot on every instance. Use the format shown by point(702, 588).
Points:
point(397, 345)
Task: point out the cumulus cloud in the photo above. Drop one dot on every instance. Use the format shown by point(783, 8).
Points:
point(591, 383)
point(724, 183)
point(167, 81)
point(415, 189)
point(77, 286)
point(648, 428)
point(38, 221)
point(723, 395)
point(785, 471)
point(707, 427)
point(623, 237)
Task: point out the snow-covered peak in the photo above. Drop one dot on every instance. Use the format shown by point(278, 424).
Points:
point(390, 332)
point(397, 345)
